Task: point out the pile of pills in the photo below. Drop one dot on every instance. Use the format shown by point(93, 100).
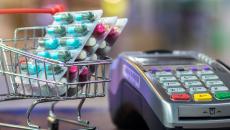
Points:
point(74, 37)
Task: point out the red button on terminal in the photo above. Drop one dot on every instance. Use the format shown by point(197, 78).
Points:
point(180, 97)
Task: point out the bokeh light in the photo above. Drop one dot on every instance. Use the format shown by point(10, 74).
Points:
point(115, 7)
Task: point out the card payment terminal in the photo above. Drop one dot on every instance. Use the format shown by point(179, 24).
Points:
point(161, 90)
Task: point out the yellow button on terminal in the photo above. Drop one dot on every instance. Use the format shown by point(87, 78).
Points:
point(199, 97)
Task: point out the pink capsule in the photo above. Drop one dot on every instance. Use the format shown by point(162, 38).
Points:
point(73, 70)
point(84, 75)
point(112, 36)
point(99, 30)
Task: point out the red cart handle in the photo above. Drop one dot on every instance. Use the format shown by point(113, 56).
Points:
point(53, 10)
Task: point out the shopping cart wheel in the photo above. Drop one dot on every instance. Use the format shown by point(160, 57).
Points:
point(53, 123)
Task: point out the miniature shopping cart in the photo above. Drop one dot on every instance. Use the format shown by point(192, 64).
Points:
point(17, 84)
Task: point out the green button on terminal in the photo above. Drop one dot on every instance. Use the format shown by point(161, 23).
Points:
point(222, 95)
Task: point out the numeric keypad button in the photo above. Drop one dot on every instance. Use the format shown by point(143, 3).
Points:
point(204, 72)
point(188, 78)
point(219, 89)
point(167, 79)
point(171, 84)
point(184, 73)
point(192, 84)
point(163, 73)
point(193, 90)
point(214, 83)
point(206, 78)
point(175, 90)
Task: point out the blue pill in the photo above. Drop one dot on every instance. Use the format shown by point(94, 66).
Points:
point(58, 18)
point(71, 30)
point(63, 18)
point(73, 43)
point(46, 68)
point(50, 31)
point(56, 30)
point(51, 43)
point(33, 69)
point(78, 17)
point(54, 56)
point(44, 54)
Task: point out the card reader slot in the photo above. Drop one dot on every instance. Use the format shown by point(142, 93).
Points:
point(222, 63)
point(158, 51)
point(203, 118)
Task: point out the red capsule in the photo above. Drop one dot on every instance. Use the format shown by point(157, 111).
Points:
point(84, 75)
point(112, 36)
point(22, 60)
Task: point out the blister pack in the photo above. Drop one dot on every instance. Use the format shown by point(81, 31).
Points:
point(113, 35)
point(103, 47)
point(101, 31)
point(63, 41)
point(64, 18)
point(72, 37)
point(88, 53)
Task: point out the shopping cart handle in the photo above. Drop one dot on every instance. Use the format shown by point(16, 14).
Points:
point(52, 10)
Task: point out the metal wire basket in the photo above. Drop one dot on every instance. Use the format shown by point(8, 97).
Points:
point(46, 87)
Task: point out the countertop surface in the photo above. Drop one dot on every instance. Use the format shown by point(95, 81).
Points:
point(94, 110)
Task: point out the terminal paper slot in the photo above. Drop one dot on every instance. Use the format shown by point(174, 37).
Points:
point(150, 61)
point(204, 118)
point(204, 112)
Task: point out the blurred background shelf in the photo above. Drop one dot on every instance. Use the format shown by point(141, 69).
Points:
point(179, 24)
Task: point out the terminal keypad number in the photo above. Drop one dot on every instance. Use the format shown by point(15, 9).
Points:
point(199, 85)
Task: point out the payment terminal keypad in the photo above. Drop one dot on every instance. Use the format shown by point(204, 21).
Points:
point(189, 84)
